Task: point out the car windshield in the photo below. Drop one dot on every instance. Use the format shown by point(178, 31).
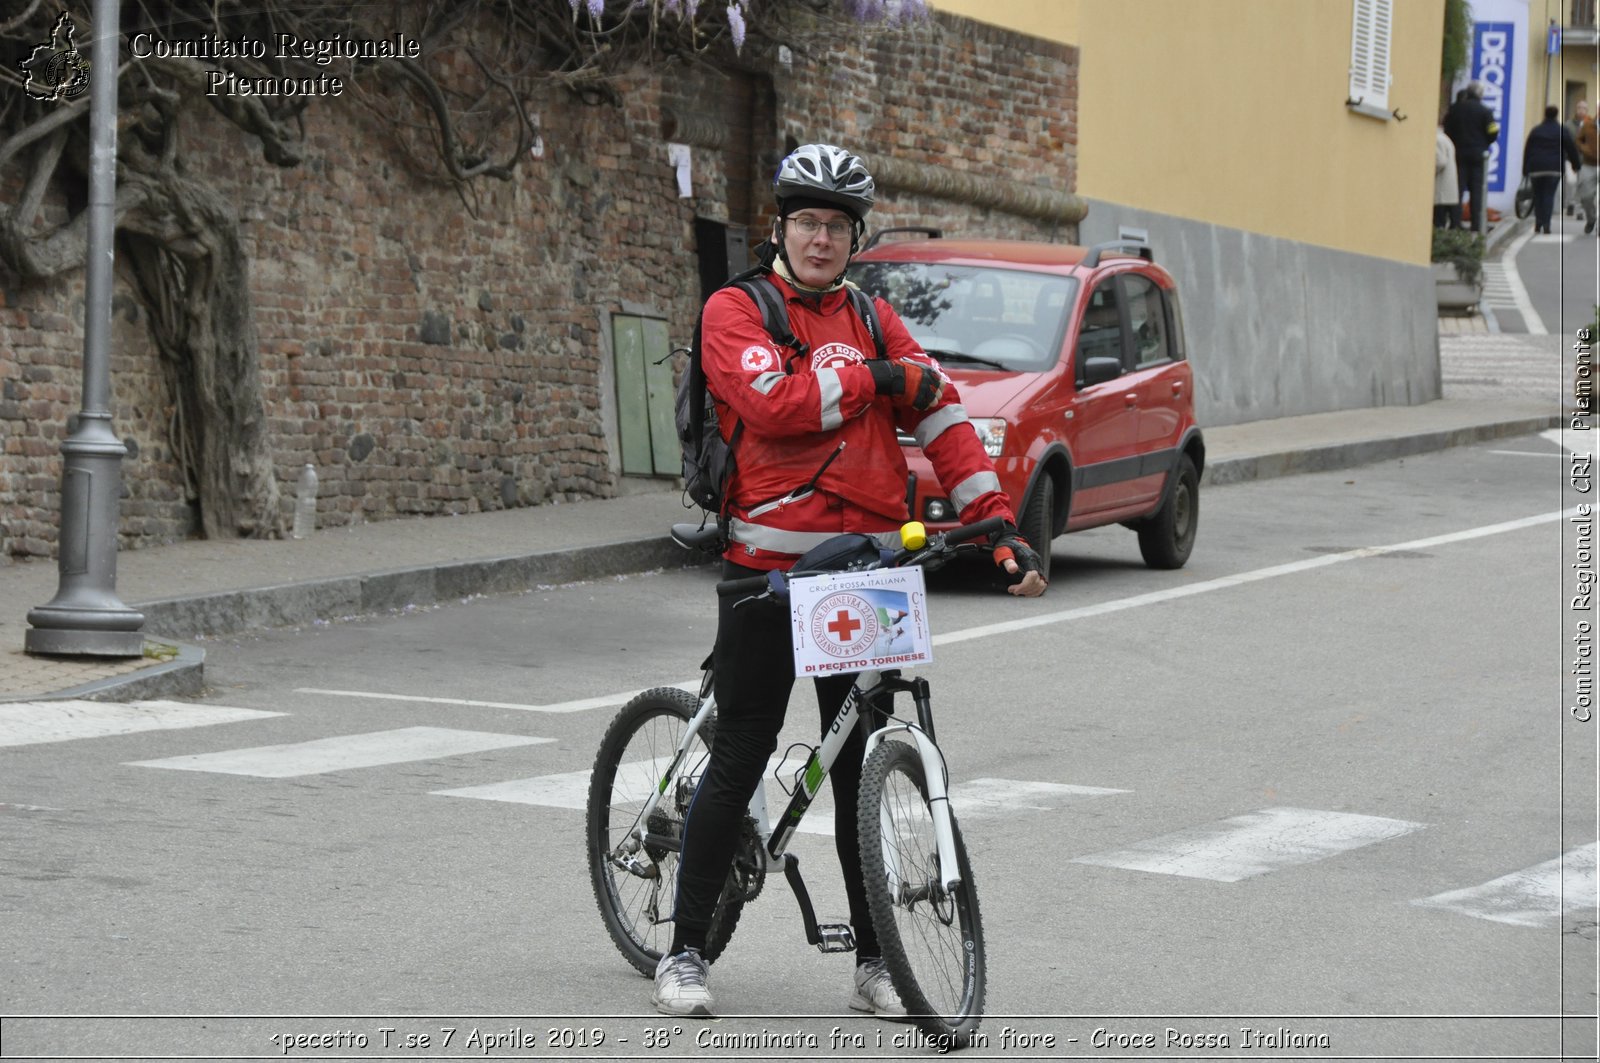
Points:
point(1003, 319)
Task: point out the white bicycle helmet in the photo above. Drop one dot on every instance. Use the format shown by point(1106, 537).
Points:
point(826, 174)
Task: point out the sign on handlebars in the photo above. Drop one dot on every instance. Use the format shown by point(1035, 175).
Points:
point(857, 621)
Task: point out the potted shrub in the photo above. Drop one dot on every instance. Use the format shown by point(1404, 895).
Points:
point(1457, 268)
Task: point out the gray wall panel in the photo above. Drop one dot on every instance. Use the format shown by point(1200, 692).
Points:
point(1278, 328)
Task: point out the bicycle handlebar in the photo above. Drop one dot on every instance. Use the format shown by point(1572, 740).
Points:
point(981, 529)
point(938, 546)
point(746, 585)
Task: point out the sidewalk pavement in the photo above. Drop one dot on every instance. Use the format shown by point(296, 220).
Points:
point(204, 589)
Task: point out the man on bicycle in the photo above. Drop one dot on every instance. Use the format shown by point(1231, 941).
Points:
point(817, 456)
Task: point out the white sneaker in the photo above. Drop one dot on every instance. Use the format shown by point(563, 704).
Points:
point(681, 985)
point(874, 992)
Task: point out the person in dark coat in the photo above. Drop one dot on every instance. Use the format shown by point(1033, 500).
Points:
point(1549, 146)
point(1471, 127)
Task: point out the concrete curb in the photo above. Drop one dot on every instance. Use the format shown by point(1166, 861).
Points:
point(372, 593)
point(1365, 452)
point(181, 677)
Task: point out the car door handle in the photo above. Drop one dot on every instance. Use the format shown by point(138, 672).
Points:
point(1177, 389)
point(1131, 398)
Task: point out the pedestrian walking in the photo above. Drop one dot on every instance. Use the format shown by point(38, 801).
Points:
point(1446, 193)
point(1589, 174)
point(1569, 187)
point(1545, 153)
point(1471, 127)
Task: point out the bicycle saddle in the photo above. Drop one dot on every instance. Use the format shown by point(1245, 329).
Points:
point(695, 536)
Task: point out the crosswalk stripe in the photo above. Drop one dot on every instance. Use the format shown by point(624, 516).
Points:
point(344, 752)
point(1538, 896)
point(1255, 843)
point(580, 705)
point(977, 799)
point(27, 723)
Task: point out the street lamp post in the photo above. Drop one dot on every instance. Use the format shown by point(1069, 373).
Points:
point(86, 617)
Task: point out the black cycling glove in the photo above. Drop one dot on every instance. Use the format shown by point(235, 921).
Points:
point(1009, 545)
point(907, 383)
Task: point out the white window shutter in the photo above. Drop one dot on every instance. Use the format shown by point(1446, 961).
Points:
point(1369, 54)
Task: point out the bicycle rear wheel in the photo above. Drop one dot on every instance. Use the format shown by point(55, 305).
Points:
point(635, 885)
point(932, 939)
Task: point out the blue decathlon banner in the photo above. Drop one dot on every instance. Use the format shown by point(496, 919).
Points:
point(1494, 60)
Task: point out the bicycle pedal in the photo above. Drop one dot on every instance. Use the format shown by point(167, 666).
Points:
point(835, 937)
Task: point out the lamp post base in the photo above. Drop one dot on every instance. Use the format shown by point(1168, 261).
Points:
point(81, 643)
point(86, 616)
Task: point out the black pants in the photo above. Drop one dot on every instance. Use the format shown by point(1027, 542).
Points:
point(1446, 215)
point(1469, 177)
point(1544, 199)
point(754, 664)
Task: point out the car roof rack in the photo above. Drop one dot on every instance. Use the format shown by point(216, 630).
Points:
point(1136, 247)
point(932, 234)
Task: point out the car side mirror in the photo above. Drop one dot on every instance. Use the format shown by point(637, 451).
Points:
point(1097, 370)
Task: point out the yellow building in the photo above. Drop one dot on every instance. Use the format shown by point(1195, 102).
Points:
point(1279, 157)
point(1235, 111)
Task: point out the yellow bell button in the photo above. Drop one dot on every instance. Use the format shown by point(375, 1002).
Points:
point(913, 536)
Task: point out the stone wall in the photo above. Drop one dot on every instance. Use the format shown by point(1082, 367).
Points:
point(429, 359)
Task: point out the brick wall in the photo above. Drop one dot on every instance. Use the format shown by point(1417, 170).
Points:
point(431, 360)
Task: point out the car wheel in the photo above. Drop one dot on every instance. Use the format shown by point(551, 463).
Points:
point(1166, 538)
point(1038, 517)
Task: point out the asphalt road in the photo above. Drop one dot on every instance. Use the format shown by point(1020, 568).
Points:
point(1558, 272)
point(1297, 786)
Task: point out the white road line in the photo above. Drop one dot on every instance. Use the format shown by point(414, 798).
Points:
point(977, 799)
point(1006, 627)
point(582, 705)
point(1538, 896)
point(1253, 844)
point(27, 723)
point(1519, 294)
point(343, 753)
point(1000, 797)
point(567, 790)
point(1529, 453)
point(1573, 442)
point(1242, 578)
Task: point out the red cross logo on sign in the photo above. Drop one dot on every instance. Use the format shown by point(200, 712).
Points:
point(844, 625)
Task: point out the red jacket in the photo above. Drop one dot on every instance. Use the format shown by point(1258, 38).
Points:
point(797, 411)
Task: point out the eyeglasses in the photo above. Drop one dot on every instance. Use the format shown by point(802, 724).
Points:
point(808, 226)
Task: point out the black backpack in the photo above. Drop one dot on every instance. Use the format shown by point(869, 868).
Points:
point(707, 458)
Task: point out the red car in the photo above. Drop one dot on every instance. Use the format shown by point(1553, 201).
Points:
point(1072, 367)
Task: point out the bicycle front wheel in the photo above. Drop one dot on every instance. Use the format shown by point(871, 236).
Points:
point(635, 882)
point(932, 938)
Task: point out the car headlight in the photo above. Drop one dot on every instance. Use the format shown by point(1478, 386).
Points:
point(991, 433)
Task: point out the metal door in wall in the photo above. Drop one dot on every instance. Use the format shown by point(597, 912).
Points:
point(645, 427)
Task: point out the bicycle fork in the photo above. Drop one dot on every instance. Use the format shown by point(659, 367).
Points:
point(838, 937)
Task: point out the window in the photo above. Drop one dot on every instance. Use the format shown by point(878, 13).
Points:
point(1148, 320)
point(1001, 318)
point(1175, 326)
point(1101, 333)
point(1369, 57)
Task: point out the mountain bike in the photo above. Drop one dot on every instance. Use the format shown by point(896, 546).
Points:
point(919, 883)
